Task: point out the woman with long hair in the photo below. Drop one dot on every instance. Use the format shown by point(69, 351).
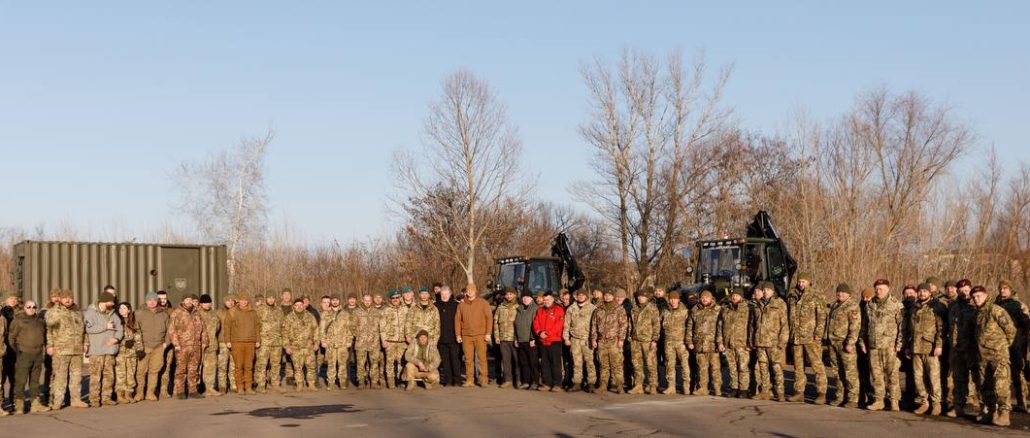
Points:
point(129, 353)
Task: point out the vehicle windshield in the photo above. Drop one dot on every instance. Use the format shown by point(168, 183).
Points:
point(720, 262)
point(542, 275)
point(509, 275)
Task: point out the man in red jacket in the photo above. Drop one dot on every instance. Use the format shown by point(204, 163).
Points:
point(548, 326)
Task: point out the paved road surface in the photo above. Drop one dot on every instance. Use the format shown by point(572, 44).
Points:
point(467, 413)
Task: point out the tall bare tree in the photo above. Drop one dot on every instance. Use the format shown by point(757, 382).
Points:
point(225, 196)
point(467, 169)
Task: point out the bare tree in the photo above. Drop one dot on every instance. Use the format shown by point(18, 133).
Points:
point(467, 169)
point(225, 196)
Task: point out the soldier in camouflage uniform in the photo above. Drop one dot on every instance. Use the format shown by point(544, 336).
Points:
point(269, 354)
point(189, 337)
point(806, 313)
point(674, 331)
point(843, 326)
point(1017, 352)
point(301, 339)
point(924, 340)
point(337, 340)
point(644, 333)
point(379, 303)
point(65, 339)
point(367, 343)
point(104, 334)
point(608, 332)
point(995, 333)
point(391, 332)
point(944, 300)
point(961, 329)
point(701, 340)
point(226, 364)
point(209, 362)
point(129, 353)
point(731, 335)
point(770, 334)
point(576, 334)
point(882, 338)
point(423, 316)
point(504, 334)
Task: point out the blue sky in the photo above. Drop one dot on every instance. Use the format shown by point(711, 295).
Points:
point(99, 103)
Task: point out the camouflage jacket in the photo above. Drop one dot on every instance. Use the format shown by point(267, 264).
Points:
point(213, 325)
point(300, 330)
point(504, 321)
point(1020, 317)
point(732, 330)
point(844, 322)
point(924, 328)
point(770, 329)
point(884, 329)
point(610, 324)
point(132, 342)
point(577, 321)
point(271, 325)
point(392, 321)
point(647, 323)
point(327, 317)
point(702, 326)
point(340, 333)
point(423, 318)
point(674, 324)
point(366, 328)
point(959, 333)
point(187, 328)
point(995, 332)
point(66, 330)
point(806, 312)
point(427, 354)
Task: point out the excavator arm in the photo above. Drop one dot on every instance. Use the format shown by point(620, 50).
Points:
point(561, 249)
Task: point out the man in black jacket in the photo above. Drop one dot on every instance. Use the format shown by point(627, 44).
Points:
point(450, 350)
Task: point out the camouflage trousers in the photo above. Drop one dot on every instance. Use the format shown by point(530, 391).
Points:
point(966, 377)
point(709, 367)
point(166, 373)
point(394, 354)
point(740, 375)
point(995, 389)
point(303, 359)
point(336, 361)
point(268, 366)
point(644, 357)
point(125, 372)
point(677, 356)
point(926, 368)
point(769, 359)
point(368, 367)
point(411, 373)
point(813, 352)
point(609, 355)
point(209, 368)
point(846, 366)
point(582, 355)
point(67, 378)
point(187, 369)
point(226, 367)
point(883, 370)
point(101, 378)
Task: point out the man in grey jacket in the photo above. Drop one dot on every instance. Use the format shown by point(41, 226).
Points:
point(529, 373)
point(104, 334)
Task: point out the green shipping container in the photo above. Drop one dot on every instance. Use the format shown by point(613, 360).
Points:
point(132, 268)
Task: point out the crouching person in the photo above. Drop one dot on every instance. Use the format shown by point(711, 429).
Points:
point(423, 362)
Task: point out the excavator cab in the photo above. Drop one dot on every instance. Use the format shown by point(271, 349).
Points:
point(529, 274)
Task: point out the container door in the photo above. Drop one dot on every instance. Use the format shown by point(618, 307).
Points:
point(180, 272)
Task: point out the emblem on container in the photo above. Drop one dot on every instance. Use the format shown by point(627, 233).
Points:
point(180, 283)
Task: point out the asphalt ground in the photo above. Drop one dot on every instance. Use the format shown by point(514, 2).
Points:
point(485, 412)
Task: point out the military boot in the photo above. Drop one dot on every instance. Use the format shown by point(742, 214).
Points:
point(19, 406)
point(986, 416)
point(935, 409)
point(76, 403)
point(921, 409)
point(410, 386)
point(781, 398)
point(262, 389)
point(701, 392)
point(764, 395)
point(1001, 418)
point(108, 402)
point(875, 406)
point(820, 399)
point(619, 388)
point(956, 411)
point(850, 404)
point(669, 390)
point(637, 389)
point(649, 390)
point(38, 406)
point(313, 387)
point(895, 405)
point(506, 385)
point(798, 397)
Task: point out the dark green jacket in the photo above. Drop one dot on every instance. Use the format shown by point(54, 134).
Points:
point(28, 333)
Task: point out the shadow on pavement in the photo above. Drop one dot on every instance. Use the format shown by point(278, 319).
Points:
point(302, 412)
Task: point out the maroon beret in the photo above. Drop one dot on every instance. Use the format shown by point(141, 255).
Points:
point(881, 282)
